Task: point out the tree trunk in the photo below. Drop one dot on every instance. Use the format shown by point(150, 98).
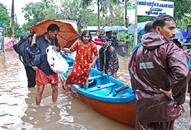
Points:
point(12, 19)
point(111, 10)
point(126, 20)
point(98, 14)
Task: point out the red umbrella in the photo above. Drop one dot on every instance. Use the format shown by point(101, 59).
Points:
point(66, 36)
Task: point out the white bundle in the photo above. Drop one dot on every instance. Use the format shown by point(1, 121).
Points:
point(56, 62)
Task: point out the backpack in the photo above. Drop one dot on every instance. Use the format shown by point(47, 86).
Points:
point(28, 55)
point(35, 54)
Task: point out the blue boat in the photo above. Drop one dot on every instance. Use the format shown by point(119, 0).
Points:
point(108, 96)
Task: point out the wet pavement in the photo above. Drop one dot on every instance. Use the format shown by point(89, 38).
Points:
point(18, 110)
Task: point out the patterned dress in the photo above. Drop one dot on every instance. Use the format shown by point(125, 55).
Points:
point(83, 59)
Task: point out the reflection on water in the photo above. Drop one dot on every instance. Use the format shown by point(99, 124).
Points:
point(123, 74)
point(13, 92)
point(18, 110)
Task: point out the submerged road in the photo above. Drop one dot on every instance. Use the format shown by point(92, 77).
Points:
point(18, 111)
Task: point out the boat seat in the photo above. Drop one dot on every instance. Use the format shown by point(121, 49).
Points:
point(95, 77)
point(119, 89)
point(101, 87)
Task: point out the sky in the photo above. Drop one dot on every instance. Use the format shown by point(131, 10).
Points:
point(19, 4)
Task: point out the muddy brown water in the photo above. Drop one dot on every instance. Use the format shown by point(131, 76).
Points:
point(18, 110)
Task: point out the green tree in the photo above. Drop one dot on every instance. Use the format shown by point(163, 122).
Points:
point(4, 16)
point(182, 9)
point(5, 19)
point(36, 12)
point(17, 30)
point(118, 17)
point(85, 3)
point(82, 11)
point(186, 21)
point(73, 10)
point(105, 7)
point(109, 6)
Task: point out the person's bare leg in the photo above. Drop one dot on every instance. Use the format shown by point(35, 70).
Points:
point(54, 93)
point(39, 92)
point(64, 84)
point(66, 87)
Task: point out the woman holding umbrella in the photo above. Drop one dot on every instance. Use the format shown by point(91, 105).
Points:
point(86, 55)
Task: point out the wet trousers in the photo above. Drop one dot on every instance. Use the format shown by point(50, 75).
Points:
point(31, 74)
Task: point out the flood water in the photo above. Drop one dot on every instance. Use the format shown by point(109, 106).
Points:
point(18, 111)
point(184, 122)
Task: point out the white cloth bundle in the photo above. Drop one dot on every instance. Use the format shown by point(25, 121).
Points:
point(56, 62)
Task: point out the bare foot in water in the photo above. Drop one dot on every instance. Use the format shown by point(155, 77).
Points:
point(35, 105)
point(54, 104)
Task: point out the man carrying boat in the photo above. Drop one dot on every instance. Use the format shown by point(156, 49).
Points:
point(159, 74)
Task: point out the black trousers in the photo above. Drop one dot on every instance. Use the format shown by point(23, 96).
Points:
point(31, 74)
